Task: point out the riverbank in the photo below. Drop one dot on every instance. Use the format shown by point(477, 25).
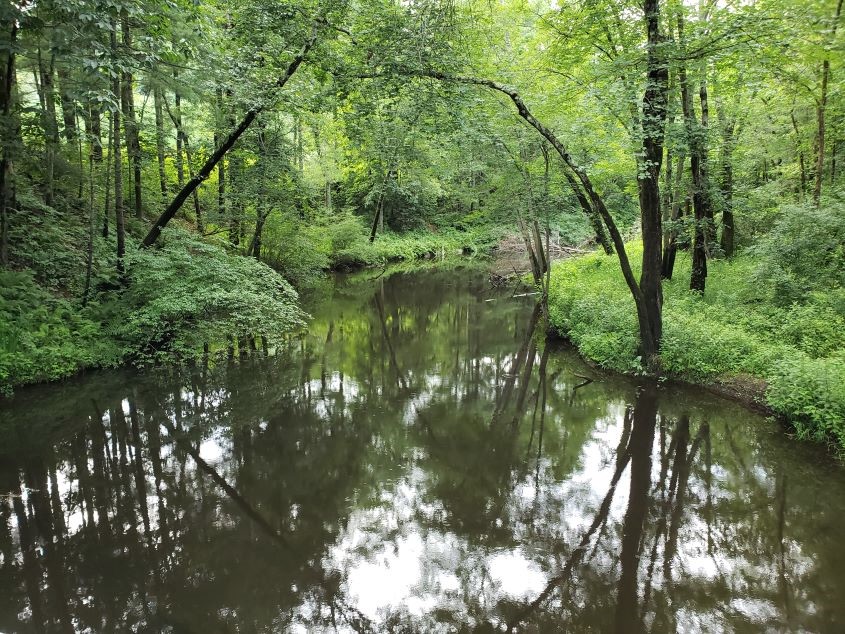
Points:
point(186, 295)
point(743, 339)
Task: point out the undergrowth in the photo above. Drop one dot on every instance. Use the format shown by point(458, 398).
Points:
point(775, 311)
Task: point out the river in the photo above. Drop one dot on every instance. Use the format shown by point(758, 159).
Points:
point(419, 461)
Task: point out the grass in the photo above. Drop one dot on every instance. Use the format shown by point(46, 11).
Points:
point(736, 329)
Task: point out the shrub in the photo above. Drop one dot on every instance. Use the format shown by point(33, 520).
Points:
point(187, 293)
point(811, 394)
point(804, 252)
point(741, 325)
point(42, 337)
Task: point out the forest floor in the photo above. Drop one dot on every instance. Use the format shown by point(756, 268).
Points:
point(788, 359)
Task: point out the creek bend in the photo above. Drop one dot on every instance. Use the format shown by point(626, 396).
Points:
point(420, 460)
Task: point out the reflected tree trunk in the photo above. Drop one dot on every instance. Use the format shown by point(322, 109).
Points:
point(642, 440)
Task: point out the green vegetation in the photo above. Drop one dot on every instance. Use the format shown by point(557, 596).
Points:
point(776, 311)
point(173, 174)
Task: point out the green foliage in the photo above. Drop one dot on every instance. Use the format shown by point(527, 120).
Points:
point(804, 252)
point(392, 247)
point(811, 394)
point(188, 293)
point(298, 250)
point(43, 337)
point(740, 326)
point(589, 303)
point(176, 299)
point(46, 244)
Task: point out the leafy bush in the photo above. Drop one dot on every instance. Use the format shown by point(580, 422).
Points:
point(742, 325)
point(187, 293)
point(391, 247)
point(42, 241)
point(599, 320)
point(811, 394)
point(298, 251)
point(804, 252)
point(43, 337)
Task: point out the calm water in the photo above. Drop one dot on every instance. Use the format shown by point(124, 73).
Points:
point(420, 461)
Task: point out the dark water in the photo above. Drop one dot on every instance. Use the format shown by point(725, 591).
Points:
point(418, 462)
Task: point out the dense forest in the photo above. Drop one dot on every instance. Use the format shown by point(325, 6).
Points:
point(175, 173)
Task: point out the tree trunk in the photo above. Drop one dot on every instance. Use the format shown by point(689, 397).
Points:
point(94, 130)
point(802, 171)
point(92, 224)
point(47, 98)
point(221, 166)
point(699, 252)
point(107, 183)
point(592, 216)
point(710, 225)
point(666, 203)
point(729, 131)
point(182, 142)
point(654, 111)
point(159, 117)
point(9, 141)
point(189, 163)
point(377, 219)
point(220, 152)
point(235, 203)
point(671, 249)
point(133, 142)
point(262, 210)
point(118, 172)
point(706, 197)
point(68, 105)
point(821, 107)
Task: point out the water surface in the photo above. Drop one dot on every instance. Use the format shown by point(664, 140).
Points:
point(420, 461)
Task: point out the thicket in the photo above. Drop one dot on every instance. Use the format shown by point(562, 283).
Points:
point(775, 311)
point(186, 296)
point(171, 303)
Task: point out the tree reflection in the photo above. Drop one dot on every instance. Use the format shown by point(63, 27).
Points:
point(420, 460)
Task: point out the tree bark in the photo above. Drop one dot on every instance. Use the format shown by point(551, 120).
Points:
point(92, 223)
point(821, 107)
point(671, 249)
point(592, 216)
point(119, 227)
point(159, 117)
point(118, 172)
point(235, 203)
point(729, 131)
point(802, 170)
point(68, 105)
point(710, 225)
point(182, 142)
point(133, 142)
point(220, 152)
point(698, 276)
point(221, 166)
point(262, 210)
point(653, 123)
point(93, 128)
point(177, 123)
point(9, 135)
point(47, 98)
point(107, 182)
